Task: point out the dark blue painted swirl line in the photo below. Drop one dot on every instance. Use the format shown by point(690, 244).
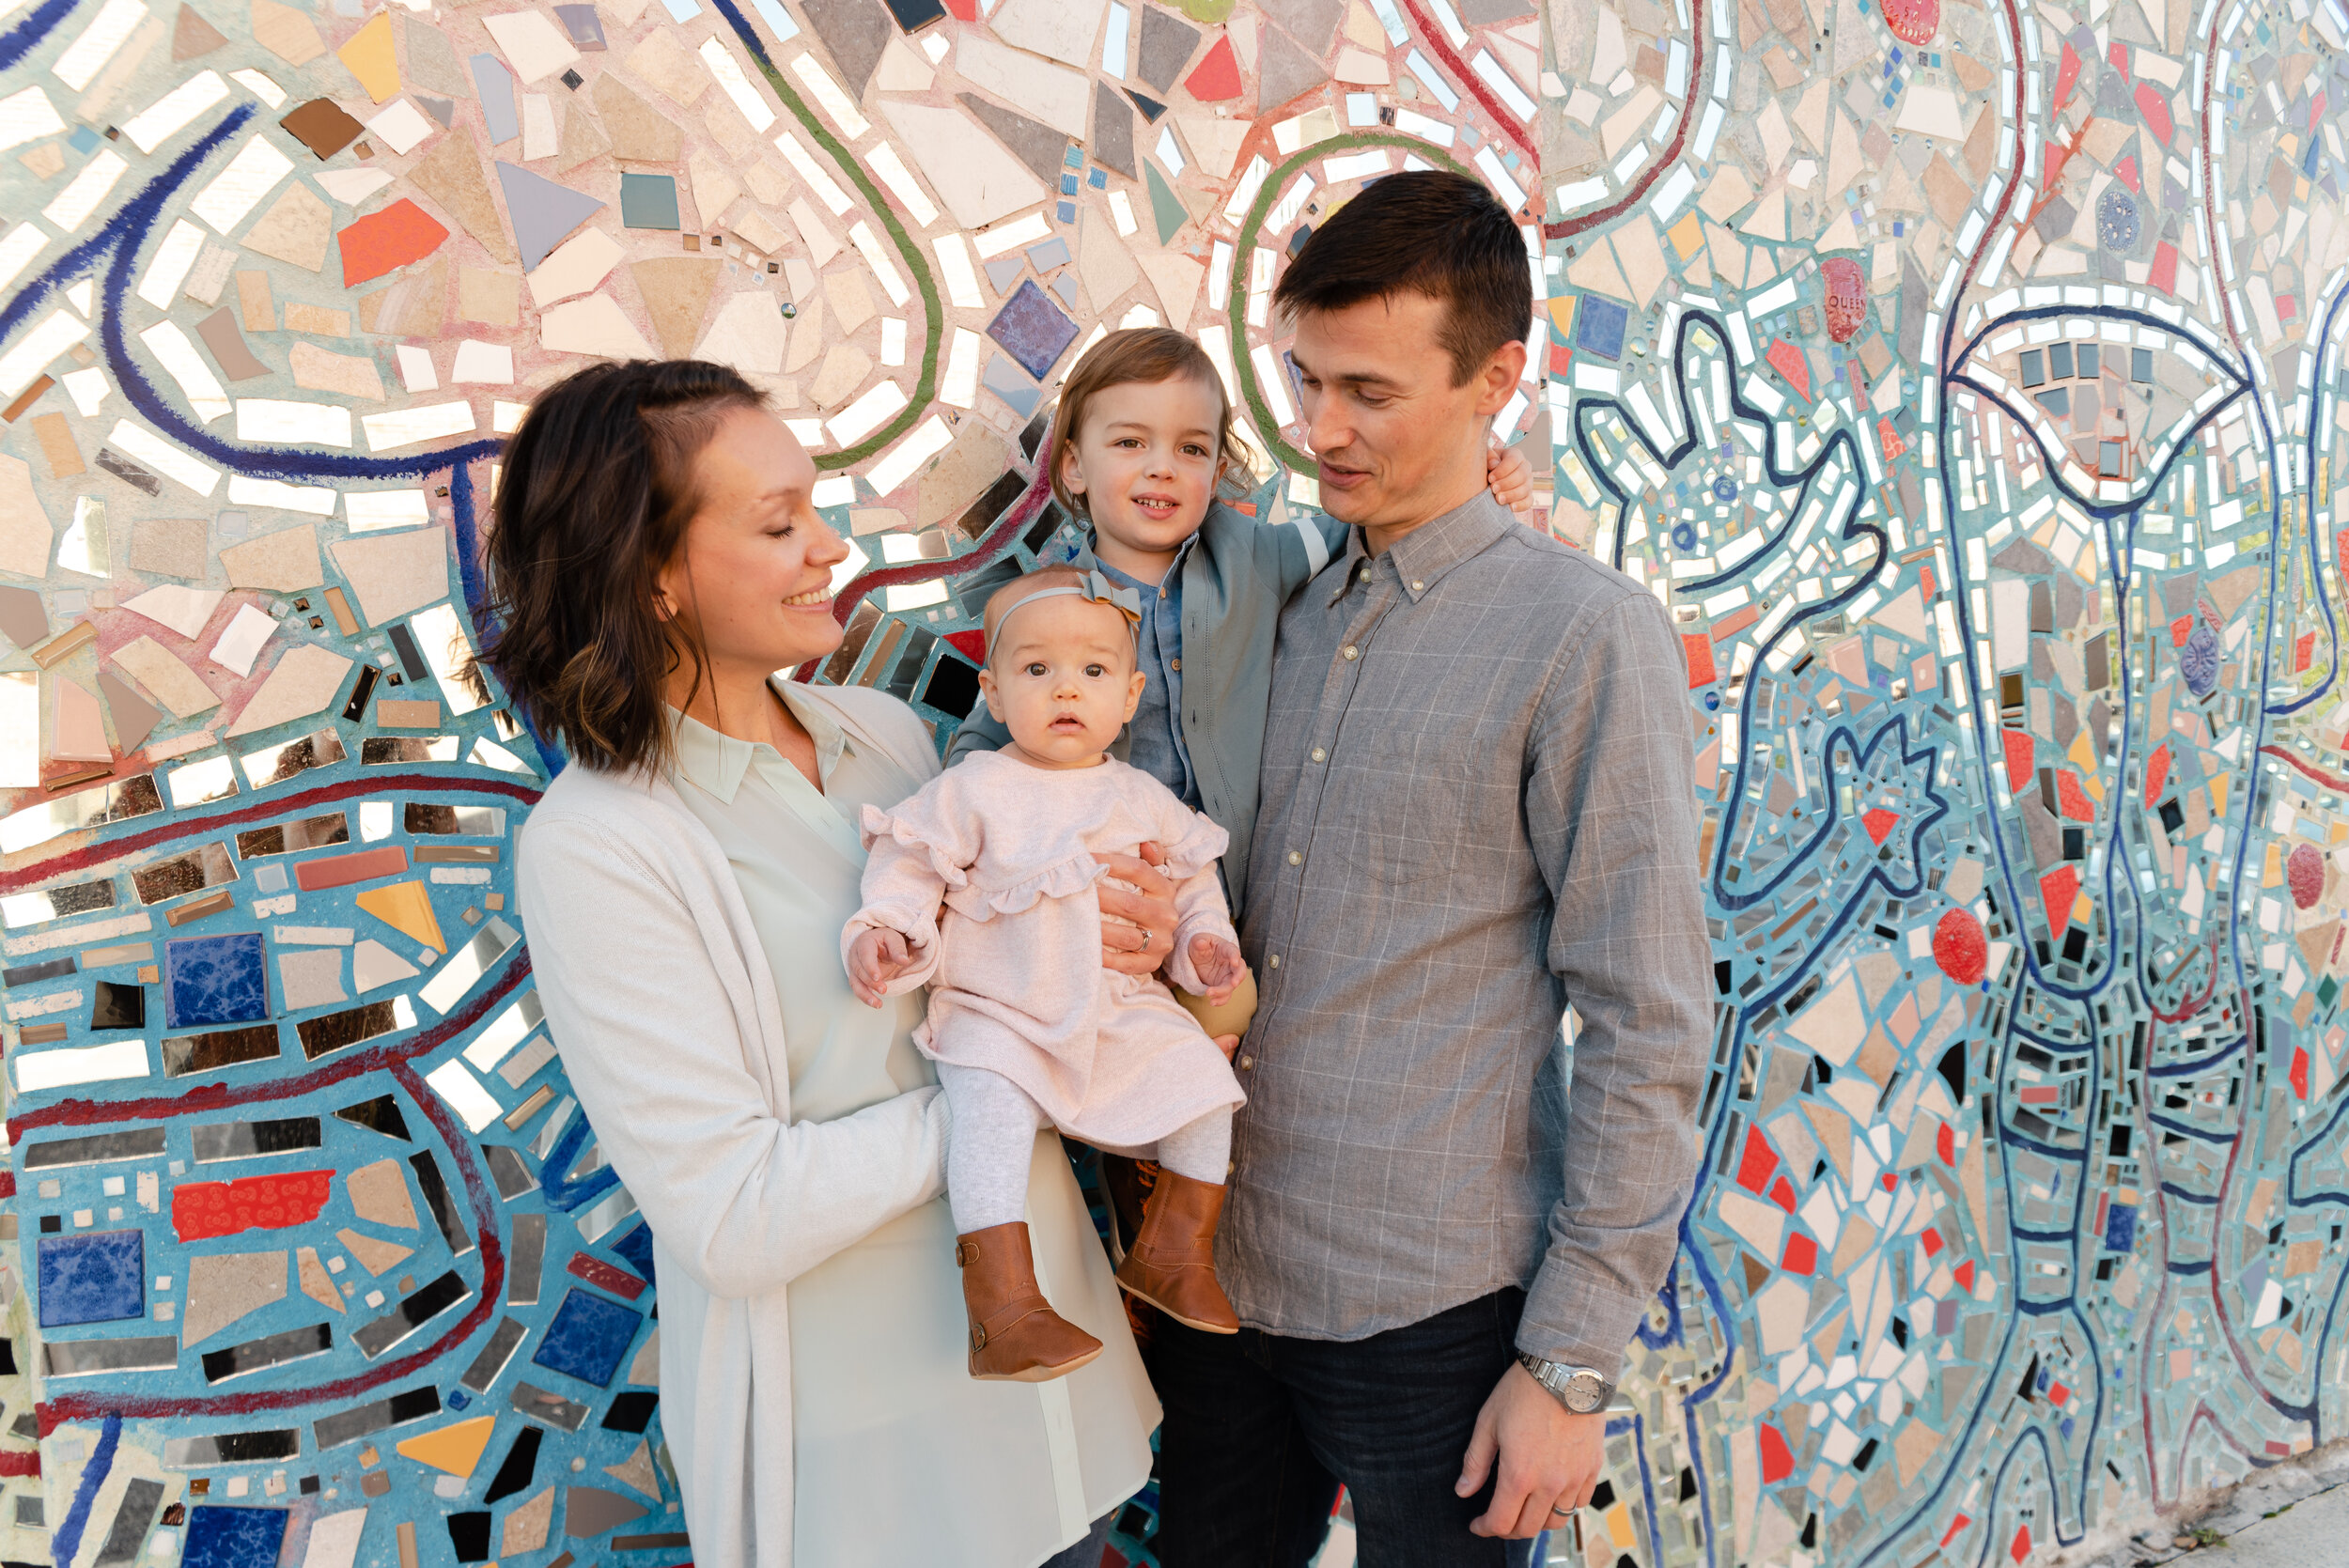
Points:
point(1925, 755)
point(2200, 1135)
point(31, 33)
point(68, 1540)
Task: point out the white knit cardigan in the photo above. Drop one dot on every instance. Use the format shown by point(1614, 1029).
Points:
point(660, 999)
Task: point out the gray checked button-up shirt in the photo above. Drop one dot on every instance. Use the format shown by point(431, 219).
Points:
point(1477, 808)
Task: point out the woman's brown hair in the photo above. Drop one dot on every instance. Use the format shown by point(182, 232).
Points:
point(1131, 355)
point(592, 504)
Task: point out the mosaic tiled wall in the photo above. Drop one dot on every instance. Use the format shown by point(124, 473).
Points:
point(316, 1259)
point(1965, 377)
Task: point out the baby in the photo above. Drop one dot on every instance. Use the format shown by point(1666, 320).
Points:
point(1027, 1028)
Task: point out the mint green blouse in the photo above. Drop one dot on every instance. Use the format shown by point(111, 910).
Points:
point(900, 1455)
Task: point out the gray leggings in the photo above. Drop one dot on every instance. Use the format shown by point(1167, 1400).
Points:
point(994, 1132)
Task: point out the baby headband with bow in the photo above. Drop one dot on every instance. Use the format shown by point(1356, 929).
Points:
point(1095, 586)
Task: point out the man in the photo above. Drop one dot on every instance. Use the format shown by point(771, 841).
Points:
point(1476, 808)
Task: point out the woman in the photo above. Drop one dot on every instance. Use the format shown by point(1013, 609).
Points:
point(656, 557)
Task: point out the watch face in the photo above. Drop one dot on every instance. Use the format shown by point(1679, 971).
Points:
point(1585, 1391)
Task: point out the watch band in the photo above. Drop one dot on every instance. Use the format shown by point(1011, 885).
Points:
point(1581, 1389)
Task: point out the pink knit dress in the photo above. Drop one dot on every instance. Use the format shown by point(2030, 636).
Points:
point(988, 870)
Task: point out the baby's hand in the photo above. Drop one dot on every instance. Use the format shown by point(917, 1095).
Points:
point(1220, 967)
point(877, 957)
point(1508, 476)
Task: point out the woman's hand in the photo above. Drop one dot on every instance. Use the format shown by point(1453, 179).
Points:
point(877, 957)
point(1137, 927)
point(1220, 968)
point(1508, 476)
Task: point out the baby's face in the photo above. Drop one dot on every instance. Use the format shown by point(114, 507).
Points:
point(1062, 679)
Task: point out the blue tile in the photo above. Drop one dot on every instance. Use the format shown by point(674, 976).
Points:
point(588, 1337)
point(233, 1537)
point(98, 1277)
point(1598, 326)
point(1033, 330)
point(636, 1247)
point(1005, 378)
point(215, 979)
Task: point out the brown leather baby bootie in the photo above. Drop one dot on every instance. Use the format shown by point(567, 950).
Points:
point(1015, 1337)
point(1171, 1264)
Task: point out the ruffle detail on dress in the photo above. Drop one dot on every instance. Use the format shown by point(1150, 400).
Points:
point(1196, 851)
point(1062, 879)
point(876, 824)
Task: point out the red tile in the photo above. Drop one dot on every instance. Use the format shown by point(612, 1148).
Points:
point(340, 871)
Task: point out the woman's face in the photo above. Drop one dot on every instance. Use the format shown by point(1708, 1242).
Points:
point(754, 575)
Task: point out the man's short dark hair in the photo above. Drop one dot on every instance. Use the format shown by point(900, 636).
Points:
point(1428, 231)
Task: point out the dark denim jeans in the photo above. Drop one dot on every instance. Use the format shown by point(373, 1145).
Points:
point(1262, 1429)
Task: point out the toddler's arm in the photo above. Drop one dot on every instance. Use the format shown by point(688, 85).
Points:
point(891, 944)
point(1508, 476)
point(1205, 960)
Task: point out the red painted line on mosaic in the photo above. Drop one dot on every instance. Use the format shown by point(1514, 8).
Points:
point(218, 1097)
point(1435, 39)
point(996, 541)
point(1567, 228)
point(20, 1462)
point(2329, 780)
point(183, 827)
point(485, 1300)
point(2006, 192)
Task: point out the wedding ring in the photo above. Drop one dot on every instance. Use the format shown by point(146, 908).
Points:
point(1562, 1512)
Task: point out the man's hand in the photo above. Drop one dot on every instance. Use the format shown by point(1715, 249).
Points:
point(1220, 968)
point(877, 957)
point(1137, 927)
point(1549, 1457)
point(1508, 476)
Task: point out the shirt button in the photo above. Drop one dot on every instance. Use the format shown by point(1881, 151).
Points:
point(1321, 755)
point(1246, 1062)
point(1365, 574)
point(1295, 858)
point(1176, 664)
point(1272, 962)
point(1352, 653)
point(1417, 584)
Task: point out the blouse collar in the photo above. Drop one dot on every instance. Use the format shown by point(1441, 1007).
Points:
point(717, 762)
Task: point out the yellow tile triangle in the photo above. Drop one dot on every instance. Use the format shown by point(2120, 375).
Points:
point(454, 1449)
point(406, 908)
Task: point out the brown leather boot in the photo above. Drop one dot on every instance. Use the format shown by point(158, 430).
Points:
point(1171, 1264)
point(1015, 1337)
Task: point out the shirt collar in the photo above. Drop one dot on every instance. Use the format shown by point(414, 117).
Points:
point(716, 762)
point(1422, 557)
point(1088, 560)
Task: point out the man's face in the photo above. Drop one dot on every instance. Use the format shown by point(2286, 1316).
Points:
point(1398, 441)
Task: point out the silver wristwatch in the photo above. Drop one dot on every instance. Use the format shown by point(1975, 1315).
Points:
point(1580, 1390)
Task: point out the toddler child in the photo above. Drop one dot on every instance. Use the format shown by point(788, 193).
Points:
point(982, 885)
point(1143, 438)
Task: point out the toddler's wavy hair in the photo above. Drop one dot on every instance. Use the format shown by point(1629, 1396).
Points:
point(1139, 355)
